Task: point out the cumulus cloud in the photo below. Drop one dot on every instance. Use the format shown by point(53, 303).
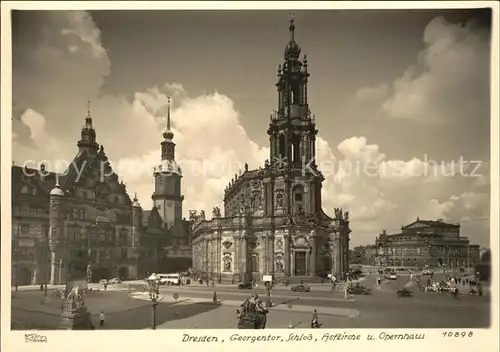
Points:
point(448, 81)
point(68, 66)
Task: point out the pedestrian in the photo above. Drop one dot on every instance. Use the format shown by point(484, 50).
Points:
point(101, 319)
point(105, 286)
point(378, 281)
point(315, 320)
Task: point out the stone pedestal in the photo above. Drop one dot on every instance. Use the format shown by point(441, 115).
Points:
point(76, 319)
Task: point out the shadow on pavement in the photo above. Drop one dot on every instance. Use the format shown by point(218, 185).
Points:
point(121, 311)
point(142, 318)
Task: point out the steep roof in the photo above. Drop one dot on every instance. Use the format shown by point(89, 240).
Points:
point(39, 182)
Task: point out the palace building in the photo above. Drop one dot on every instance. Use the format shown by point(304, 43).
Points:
point(273, 221)
point(86, 212)
point(425, 243)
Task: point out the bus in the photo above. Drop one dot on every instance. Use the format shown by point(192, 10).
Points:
point(169, 279)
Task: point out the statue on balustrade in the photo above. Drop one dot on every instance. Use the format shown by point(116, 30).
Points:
point(338, 213)
point(216, 212)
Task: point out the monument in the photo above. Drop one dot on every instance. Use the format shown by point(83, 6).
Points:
point(75, 315)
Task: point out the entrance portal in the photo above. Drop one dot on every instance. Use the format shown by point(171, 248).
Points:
point(123, 273)
point(300, 263)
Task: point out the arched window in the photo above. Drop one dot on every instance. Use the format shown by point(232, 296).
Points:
point(296, 153)
point(282, 145)
point(255, 263)
point(294, 94)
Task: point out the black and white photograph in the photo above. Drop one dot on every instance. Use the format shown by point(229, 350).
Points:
point(250, 169)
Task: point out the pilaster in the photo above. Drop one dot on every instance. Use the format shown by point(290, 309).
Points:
point(312, 267)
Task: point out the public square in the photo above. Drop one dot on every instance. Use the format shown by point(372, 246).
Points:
point(195, 309)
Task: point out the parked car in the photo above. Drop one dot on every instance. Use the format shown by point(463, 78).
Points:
point(391, 275)
point(103, 281)
point(245, 286)
point(404, 293)
point(114, 281)
point(301, 288)
point(426, 272)
point(359, 290)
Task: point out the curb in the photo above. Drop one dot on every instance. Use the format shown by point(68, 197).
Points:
point(334, 311)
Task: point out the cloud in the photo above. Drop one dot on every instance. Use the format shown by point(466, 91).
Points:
point(68, 66)
point(444, 82)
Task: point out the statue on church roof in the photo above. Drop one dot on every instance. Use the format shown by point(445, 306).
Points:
point(346, 216)
point(246, 167)
point(216, 212)
point(338, 213)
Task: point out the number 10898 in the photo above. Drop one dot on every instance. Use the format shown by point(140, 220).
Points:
point(458, 334)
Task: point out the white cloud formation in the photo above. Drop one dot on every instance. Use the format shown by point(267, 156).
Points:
point(433, 88)
point(69, 65)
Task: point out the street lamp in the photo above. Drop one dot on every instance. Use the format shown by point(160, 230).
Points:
point(154, 292)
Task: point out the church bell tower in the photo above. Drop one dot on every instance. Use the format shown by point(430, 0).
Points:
point(292, 136)
point(167, 196)
point(292, 128)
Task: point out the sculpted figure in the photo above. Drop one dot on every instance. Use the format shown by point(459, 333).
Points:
point(216, 212)
point(338, 213)
point(202, 215)
point(279, 200)
point(246, 167)
point(346, 216)
point(74, 300)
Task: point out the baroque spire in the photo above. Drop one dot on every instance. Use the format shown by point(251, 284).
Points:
point(168, 134)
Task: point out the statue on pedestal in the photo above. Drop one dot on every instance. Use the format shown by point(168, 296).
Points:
point(75, 315)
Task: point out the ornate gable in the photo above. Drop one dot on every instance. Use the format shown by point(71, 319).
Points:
point(95, 175)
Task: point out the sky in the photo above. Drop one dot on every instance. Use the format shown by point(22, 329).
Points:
point(400, 97)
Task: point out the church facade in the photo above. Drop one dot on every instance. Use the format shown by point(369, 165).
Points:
point(86, 212)
point(273, 221)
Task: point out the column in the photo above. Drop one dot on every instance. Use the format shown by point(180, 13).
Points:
point(339, 255)
point(292, 264)
point(54, 266)
point(236, 267)
point(263, 248)
point(271, 260)
point(243, 256)
point(312, 267)
point(287, 255)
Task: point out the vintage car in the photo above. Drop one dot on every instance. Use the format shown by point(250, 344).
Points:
point(245, 286)
point(391, 275)
point(359, 290)
point(301, 288)
point(404, 293)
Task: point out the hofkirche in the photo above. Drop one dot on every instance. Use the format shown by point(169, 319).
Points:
point(86, 209)
point(273, 221)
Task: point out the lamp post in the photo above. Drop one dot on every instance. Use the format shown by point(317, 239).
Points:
point(154, 292)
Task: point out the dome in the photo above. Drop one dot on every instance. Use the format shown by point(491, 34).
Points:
point(136, 203)
point(57, 191)
point(168, 134)
point(168, 167)
point(292, 49)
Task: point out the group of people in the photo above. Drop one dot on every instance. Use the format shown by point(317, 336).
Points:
point(253, 314)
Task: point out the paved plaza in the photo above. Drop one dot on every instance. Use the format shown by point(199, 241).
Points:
point(195, 308)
